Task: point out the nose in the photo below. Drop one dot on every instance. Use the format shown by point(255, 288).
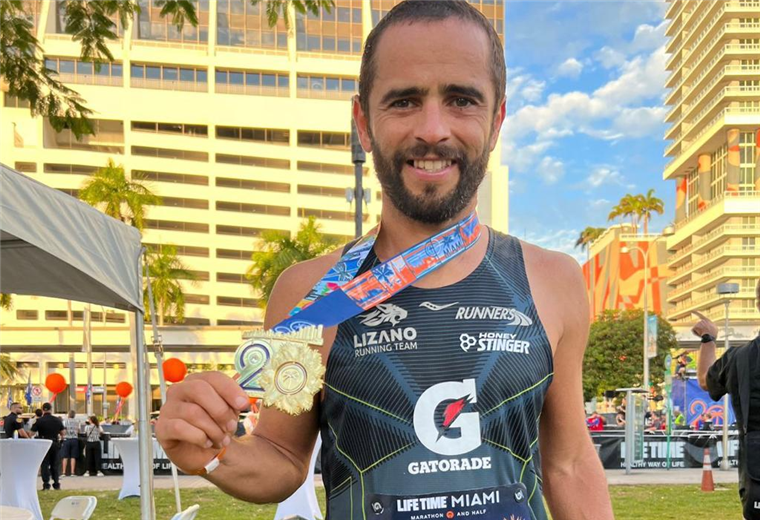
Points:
point(433, 125)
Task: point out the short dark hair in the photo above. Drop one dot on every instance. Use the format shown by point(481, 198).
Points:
point(411, 11)
point(14, 403)
point(72, 414)
point(47, 407)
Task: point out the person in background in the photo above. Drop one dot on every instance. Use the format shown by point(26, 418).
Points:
point(620, 417)
point(679, 419)
point(51, 428)
point(595, 422)
point(13, 423)
point(37, 415)
point(70, 449)
point(92, 448)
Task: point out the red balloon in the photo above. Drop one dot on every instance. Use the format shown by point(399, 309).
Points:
point(123, 389)
point(56, 383)
point(174, 370)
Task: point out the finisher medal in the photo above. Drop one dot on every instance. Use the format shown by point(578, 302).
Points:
point(280, 367)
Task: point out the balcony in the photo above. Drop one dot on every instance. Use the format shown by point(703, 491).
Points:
point(712, 278)
point(719, 316)
point(684, 309)
point(160, 84)
point(92, 79)
point(710, 239)
point(252, 90)
point(713, 259)
point(693, 27)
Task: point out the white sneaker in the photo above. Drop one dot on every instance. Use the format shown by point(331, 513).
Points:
point(100, 474)
point(86, 475)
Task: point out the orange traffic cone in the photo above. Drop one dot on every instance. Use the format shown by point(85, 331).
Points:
point(707, 476)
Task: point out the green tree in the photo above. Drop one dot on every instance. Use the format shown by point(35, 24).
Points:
point(8, 369)
point(166, 272)
point(588, 236)
point(615, 352)
point(649, 204)
point(628, 207)
point(6, 301)
point(280, 252)
point(91, 23)
point(119, 197)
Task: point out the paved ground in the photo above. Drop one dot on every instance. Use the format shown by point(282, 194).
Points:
point(614, 477)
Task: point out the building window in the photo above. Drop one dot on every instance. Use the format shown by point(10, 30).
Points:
point(152, 26)
point(181, 178)
point(231, 278)
point(202, 252)
point(260, 209)
point(322, 191)
point(326, 87)
point(14, 102)
point(337, 31)
point(26, 167)
point(254, 83)
point(340, 169)
point(718, 172)
point(329, 215)
point(169, 77)
point(238, 322)
point(261, 135)
point(234, 254)
point(242, 24)
point(73, 169)
point(333, 140)
point(247, 160)
point(246, 231)
point(27, 315)
point(177, 202)
point(245, 184)
point(170, 128)
point(108, 137)
point(197, 299)
point(231, 301)
point(59, 27)
point(692, 188)
point(74, 70)
point(70, 192)
point(170, 153)
point(170, 225)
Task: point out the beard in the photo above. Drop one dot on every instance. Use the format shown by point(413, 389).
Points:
point(431, 206)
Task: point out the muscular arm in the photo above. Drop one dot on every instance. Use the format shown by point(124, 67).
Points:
point(705, 361)
point(201, 413)
point(574, 483)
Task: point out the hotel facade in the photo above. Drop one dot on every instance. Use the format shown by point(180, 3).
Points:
point(240, 128)
point(714, 151)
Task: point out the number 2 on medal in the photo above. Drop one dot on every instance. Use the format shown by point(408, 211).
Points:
point(250, 360)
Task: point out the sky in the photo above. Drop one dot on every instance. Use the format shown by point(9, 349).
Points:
point(585, 112)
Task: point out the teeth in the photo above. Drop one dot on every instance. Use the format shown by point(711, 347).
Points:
point(432, 166)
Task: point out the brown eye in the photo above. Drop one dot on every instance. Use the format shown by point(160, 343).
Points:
point(462, 102)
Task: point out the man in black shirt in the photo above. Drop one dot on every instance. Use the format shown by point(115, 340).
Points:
point(14, 423)
point(737, 373)
point(50, 427)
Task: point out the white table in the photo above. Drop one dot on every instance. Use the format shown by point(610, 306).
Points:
point(304, 501)
point(14, 513)
point(129, 451)
point(18, 486)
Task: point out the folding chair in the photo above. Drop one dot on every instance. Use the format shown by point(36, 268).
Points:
point(188, 514)
point(74, 508)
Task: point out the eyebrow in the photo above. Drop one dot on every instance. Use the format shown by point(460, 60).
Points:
point(462, 90)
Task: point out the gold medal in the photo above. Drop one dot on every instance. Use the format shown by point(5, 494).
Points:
point(282, 368)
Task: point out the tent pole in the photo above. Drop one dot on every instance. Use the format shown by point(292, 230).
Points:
point(158, 351)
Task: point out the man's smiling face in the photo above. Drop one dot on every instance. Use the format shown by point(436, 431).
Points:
point(433, 116)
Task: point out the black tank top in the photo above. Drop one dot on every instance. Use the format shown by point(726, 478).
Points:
point(433, 398)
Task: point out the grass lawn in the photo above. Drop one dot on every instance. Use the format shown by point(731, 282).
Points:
point(630, 502)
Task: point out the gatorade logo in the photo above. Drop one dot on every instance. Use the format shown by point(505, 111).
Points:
point(441, 421)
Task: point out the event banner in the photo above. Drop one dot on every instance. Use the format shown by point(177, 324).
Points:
point(686, 449)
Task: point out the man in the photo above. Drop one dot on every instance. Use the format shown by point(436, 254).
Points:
point(737, 373)
point(13, 423)
point(70, 448)
point(51, 428)
point(451, 417)
point(595, 422)
point(679, 420)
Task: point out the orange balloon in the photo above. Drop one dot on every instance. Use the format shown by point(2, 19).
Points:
point(174, 370)
point(56, 383)
point(123, 389)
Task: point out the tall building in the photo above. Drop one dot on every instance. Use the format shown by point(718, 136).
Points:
point(239, 127)
point(622, 265)
point(714, 93)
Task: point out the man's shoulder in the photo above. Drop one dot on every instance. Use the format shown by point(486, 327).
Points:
point(548, 261)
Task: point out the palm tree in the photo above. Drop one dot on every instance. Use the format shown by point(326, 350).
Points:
point(166, 270)
point(6, 301)
point(649, 204)
point(8, 369)
point(629, 206)
point(280, 252)
point(587, 236)
point(120, 198)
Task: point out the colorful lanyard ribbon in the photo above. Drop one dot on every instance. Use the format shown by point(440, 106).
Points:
point(340, 295)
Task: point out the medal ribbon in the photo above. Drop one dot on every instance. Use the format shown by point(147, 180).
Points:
point(340, 295)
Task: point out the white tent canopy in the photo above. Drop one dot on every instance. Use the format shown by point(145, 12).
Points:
point(54, 245)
